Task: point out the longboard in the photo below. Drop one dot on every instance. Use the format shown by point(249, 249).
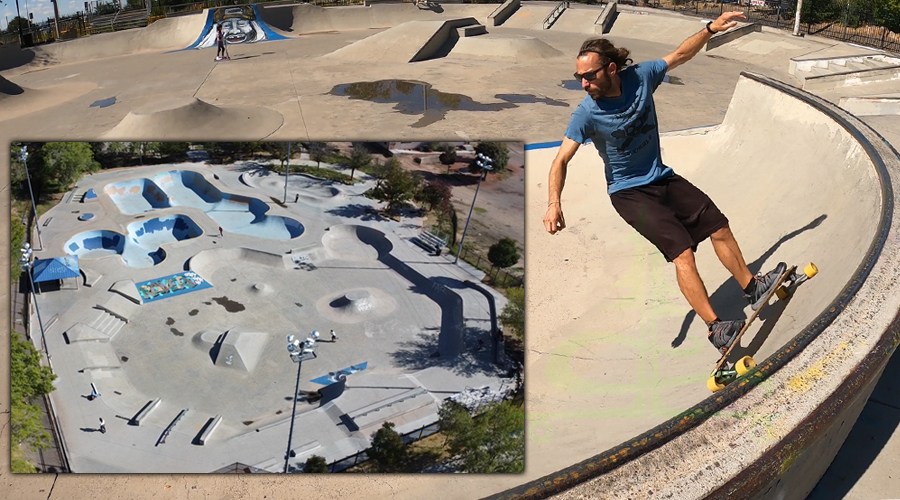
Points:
point(719, 378)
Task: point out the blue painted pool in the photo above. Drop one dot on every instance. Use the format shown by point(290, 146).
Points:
point(184, 188)
point(142, 247)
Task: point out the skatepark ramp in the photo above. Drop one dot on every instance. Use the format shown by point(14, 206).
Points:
point(800, 180)
point(409, 42)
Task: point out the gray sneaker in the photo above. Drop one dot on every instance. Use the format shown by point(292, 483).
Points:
point(723, 333)
point(764, 284)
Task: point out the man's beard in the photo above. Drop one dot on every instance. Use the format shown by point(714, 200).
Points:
point(600, 90)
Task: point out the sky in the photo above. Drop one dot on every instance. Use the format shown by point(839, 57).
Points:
point(42, 9)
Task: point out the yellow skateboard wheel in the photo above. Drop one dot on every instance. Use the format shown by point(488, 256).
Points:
point(713, 385)
point(782, 293)
point(744, 365)
point(811, 270)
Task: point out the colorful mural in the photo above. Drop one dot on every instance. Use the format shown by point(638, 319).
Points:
point(332, 377)
point(240, 24)
point(170, 286)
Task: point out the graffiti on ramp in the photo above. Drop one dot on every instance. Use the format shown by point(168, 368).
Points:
point(240, 24)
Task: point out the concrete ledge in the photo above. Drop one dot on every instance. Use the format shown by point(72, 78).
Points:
point(80, 332)
point(869, 106)
point(503, 12)
point(208, 429)
point(479, 29)
point(91, 277)
point(142, 414)
point(440, 37)
point(605, 21)
point(127, 289)
point(851, 78)
point(720, 39)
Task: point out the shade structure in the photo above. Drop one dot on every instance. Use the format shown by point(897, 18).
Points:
point(57, 268)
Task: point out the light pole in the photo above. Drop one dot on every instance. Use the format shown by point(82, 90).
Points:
point(286, 171)
point(23, 155)
point(485, 163)
point(26, 265)
point(299, 352)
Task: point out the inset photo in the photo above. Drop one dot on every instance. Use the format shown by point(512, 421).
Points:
point(277, 307)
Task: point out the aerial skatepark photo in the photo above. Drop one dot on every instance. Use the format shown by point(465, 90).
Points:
point(189, 284)
point(792, 137)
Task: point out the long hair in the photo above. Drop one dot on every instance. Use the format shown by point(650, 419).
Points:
point(607, 51)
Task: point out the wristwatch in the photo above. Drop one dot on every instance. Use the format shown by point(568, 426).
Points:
point(711, 32)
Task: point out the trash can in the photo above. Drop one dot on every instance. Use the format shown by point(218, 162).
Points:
point(28, 40)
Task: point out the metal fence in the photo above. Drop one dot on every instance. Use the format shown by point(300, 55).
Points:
point(361, 457)
point(188, 8)
point(856, 25)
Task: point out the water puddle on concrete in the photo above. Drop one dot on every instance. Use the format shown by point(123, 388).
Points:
point(229, 305)
point(193, 312)
point(420, 98)
point(176, 332)
point(103, 103)
point(170, 321)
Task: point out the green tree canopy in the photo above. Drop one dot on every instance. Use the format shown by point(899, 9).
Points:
point(388, 450)
point(494, 442)
point(513, 315)
point(434, 193)
point(395, 185)
point(318, 152)
point(504, 253)
point(28, 381)
point(498, 152)
point(315, 464)
point(360, 158)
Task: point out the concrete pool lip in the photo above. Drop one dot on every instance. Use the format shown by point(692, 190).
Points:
point(189, 188)
point(141, 246)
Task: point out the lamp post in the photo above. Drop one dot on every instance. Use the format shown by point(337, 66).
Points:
point(26, 265)
point(23, 155)
point(485, 163)
point(287, 171)
point(299, 352)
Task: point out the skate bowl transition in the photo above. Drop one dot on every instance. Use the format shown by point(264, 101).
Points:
point(800, 180)
point(185, 188)
point(141, 247)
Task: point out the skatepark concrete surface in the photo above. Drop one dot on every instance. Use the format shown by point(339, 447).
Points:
point(613, 350)
point(347, 270)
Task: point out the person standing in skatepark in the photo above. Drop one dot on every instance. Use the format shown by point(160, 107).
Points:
point(618, 115)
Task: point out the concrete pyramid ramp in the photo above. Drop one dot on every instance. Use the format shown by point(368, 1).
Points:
point(409, 42)
point(188, 118)
point(356, 305)
point(503, 47)
point(17, 101)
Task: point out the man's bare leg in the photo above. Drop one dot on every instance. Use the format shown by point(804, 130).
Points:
point(730, 255)
point(692, 286)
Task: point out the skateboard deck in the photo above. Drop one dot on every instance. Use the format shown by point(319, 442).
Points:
point(790, 278)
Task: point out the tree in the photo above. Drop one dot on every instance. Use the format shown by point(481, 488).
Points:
point(28, 381)
point(174, 150)
point(318, 152)
point(498, 152)
point(395, 185)
point(16, 238)
point(315, 464)
point(388, 450)
point(434, 193)
point(493, 442)
point(504, 253)
point(513, 315)
point(16, 22)
point(448, 156)
point(360, 158)
point(68, 161)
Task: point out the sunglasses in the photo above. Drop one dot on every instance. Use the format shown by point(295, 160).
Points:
point(590, 75)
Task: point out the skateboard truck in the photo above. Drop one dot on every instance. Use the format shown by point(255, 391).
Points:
point(722, 375)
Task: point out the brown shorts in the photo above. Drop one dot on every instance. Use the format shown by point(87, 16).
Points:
point(671, 213)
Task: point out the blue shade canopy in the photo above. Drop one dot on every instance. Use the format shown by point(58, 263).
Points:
point(90, 195)
point(58, 268)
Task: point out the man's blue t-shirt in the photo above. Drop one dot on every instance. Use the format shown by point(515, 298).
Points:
point(624, 129)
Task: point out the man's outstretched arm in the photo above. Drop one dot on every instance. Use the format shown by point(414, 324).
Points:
point(553, 220)
point(690, 47)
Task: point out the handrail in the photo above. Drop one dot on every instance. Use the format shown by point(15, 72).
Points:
point(562, 6)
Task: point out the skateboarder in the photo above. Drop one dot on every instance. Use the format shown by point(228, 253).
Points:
point(102, 426)
point(618, 115)
point(333, 336)
point(220, 40)
point(221, 232)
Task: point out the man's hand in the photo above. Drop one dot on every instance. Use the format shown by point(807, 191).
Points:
point(726, 21)
point(554, 221)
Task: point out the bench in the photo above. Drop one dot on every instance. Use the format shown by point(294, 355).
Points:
point(430, 242)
